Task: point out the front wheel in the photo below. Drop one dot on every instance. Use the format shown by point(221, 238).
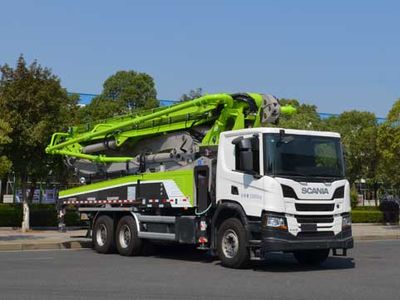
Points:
point(231, 246)
point(311, 257)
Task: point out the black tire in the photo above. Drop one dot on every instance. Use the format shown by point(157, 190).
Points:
point(311, 257)
point(230, 233)
point(126, 236)
point(103, 235)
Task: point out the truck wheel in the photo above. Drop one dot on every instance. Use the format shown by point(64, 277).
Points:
point(103, 235)
point(231, 244)
point(311, 257)
point(127, 240)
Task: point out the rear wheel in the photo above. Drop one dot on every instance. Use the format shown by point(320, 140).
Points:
point(232, 249)
point(127, 240)
point(311, 257)
point(103, 235)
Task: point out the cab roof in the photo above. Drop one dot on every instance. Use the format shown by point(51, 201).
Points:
point(277, 130)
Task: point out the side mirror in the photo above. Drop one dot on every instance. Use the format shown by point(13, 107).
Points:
point(247, 155)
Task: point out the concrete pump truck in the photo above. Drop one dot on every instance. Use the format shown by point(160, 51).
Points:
point(208, 172)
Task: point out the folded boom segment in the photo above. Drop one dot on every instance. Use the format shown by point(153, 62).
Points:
point(165, 138)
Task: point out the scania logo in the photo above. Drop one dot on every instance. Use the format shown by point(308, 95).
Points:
point(310, 190)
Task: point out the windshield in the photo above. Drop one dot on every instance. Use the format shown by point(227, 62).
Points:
point(301, 155)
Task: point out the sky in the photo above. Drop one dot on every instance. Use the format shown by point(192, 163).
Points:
point(338, 55)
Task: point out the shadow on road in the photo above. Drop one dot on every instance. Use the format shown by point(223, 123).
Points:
point(275, 262)
point(180, 252)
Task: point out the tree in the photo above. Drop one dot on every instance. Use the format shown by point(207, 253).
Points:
point(123, 92)
point(306, 116)
point(131, 89)
point(35, 106)
point(358, 130)
point(193, 94)
point(100, 108)
point(5, 163)
point(388, 143)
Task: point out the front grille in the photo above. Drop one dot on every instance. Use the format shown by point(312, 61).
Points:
point(314, 207)
point(314, 219)
point(315, 235)
point(288, 192)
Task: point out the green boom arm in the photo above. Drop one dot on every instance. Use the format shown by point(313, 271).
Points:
point(221, 111)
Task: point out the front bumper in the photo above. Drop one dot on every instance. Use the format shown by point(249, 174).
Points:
point(278, 240)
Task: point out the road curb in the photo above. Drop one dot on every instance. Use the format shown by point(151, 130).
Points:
point(45, 228)
point(88, 244)
point(45, 246)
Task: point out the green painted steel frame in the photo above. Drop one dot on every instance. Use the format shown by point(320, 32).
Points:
point(183, 179)
point(222, 109)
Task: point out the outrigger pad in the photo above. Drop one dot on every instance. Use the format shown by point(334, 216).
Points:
point(270, 109)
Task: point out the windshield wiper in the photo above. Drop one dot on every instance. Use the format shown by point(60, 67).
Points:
point(325, 176)
point(290, 174)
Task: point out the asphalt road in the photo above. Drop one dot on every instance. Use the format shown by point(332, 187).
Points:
point(372, 271)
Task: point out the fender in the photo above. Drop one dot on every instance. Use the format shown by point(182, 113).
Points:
point(231, 207)
point(94, 220)
point(134, 215)
point(137, 221)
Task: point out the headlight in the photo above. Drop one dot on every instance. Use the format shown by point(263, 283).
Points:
point(346, 221)
point(272, 221)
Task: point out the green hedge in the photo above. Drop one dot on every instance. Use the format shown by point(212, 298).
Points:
point(10, 215)
point(369, 208)
point(366, 216)
point(40, 215)
point(45, 215)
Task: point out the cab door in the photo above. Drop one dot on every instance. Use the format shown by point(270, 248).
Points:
point(239, 172)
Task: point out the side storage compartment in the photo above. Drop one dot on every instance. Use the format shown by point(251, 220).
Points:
point(186, 230)
point(201, 179)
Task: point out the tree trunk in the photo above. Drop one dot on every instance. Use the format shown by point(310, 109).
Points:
point(31, 191)
point(1, 190)
point(25, 206)
point(3, 186)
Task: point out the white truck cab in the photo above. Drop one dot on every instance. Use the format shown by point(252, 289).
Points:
point(291, 182)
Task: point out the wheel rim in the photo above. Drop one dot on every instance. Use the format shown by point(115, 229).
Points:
point(125, 236)
point(101, 235)
point(230, 243)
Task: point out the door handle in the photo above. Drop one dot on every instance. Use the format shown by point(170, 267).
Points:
point(234, 190)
